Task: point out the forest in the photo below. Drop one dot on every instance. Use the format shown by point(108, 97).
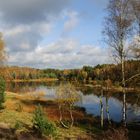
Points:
point(87, 74)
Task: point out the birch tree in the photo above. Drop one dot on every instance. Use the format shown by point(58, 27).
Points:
point(67, 96)
point(117, 28)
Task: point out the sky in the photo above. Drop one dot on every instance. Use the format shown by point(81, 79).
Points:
point(58, 34)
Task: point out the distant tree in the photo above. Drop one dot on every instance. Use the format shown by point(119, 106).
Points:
point(13, 75)
point(52, 75)
point(30, 75)
point(89, 70)
point(2, 50)
point(22, 76)
point(2, 55)
point(2, 81)
point(2, 92)
point(82, 76)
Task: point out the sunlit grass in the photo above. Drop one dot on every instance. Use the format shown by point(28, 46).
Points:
point(18, 114)
point(11, 117)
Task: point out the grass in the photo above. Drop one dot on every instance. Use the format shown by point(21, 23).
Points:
point(11, 117)
point(73, 134)
point(34, 80)
point(21, 120)
point(18, 115)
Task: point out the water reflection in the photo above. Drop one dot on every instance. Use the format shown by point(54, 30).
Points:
point(92, 100)
point(107, 110)
point(92, 105)
point(102, 109)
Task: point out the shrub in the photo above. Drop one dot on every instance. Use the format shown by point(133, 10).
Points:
point(19, 107)
point(116, 134)
point(41, 123)
point(67, 96)
point(2, 92)
point(18, 125)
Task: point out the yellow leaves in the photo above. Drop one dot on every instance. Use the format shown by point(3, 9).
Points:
point(1, 43)
point(66, 72)
point(66, 93)
point(2, 50)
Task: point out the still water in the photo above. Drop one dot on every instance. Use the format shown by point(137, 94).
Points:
point(90, 100)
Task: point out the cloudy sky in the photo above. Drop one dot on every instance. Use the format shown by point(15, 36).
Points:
point(53, 33)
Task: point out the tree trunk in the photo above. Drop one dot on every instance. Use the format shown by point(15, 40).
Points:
point(61, 118)
point(139, 28)
point(102, 109)
point(71, 116)
point(107, 110)
point(123, 89)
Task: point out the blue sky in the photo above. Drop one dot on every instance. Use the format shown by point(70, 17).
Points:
point(54, 33)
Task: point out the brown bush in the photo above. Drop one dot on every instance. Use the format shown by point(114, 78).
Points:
point(116, 134)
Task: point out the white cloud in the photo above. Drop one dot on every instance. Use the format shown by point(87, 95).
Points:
point(15, 30)
point(62, 46)
point(62, 54)
point(27, 23)
point(72, 20)
point(25, 37)
point(41, 27)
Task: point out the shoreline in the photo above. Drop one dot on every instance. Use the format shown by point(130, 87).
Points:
point(33, 80)
point(83, 121)
point(112, 88)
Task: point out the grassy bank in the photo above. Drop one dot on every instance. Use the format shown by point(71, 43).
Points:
point(16, 121)
point(16, 118)
point(113, 88)
point(33, 80)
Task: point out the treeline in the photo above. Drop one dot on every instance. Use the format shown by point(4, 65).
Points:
point(15, 72)
point(105, 72)
point(87, 74)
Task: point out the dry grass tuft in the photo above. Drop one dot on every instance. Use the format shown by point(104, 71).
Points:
point(116, 134)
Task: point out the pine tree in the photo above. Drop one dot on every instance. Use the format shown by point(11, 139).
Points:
point(2, 92)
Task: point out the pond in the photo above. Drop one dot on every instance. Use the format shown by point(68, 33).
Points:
point(91, 100)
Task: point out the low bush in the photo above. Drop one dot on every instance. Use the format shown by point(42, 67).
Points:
point(18, 125)
point(19, 107)
point(42, 124)
point(116, 134)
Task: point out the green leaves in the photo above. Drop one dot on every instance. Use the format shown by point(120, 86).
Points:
point(42, 124)
point(2, 92)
